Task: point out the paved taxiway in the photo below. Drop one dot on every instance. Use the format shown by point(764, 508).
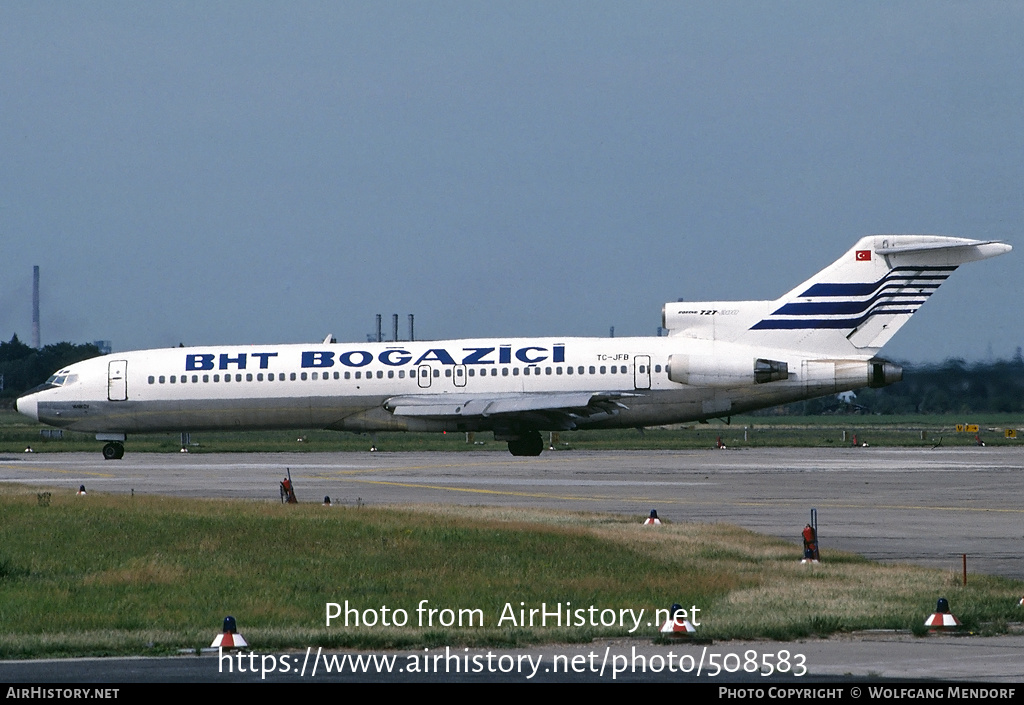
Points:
point(918, 505)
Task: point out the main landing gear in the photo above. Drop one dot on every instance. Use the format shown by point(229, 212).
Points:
point(529, 443)
point(113, 451)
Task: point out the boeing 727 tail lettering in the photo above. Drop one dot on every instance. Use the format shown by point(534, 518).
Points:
point(719, 358)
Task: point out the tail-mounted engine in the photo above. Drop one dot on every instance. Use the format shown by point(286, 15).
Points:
point(710, 371)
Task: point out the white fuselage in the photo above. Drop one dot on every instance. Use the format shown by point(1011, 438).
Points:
point(348, 386)
point(721, 358)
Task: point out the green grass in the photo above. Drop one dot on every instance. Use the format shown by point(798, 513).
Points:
point(113, 574)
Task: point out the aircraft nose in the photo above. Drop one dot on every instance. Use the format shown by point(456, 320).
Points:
point(28, 405)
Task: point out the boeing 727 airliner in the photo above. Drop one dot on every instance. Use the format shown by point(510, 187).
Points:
point(720, 358)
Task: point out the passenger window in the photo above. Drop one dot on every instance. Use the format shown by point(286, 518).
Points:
point(592, 370)
point(504, 372)
point(391, 374)
point(580, 369)
point(359, 375)
point(238, 377)
point(195, 378)
point(152, 379)
point(173, 377)
point(348, 375)
point(437, 373)
point(161, 379)
point(206, 378)
point(216, 378)
point(380, 374)
point(448, 372)
point(259, 377)
point(602, 369)
point(292, 376)
point(568, 370)
point(315, 376)
point(515, 371)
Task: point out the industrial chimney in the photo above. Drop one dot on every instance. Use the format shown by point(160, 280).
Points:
point(35, 308)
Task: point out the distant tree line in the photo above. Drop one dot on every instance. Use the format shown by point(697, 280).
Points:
point(950, 387)
point(24, 367)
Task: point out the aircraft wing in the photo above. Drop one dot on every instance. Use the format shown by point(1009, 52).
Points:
point(565, 409)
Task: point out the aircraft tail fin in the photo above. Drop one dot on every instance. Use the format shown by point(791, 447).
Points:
point(852, 307)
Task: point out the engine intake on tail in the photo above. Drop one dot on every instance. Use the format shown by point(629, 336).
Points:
point(714, 371)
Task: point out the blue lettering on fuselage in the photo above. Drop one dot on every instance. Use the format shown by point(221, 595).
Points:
point(393, 357)
point(239, 360)
point(522, 354)
point(476, 356)
point(264, 357)
point(349, 358)
point(318, 359)
point(204, 361)
point(198, 362)
point(436, 355)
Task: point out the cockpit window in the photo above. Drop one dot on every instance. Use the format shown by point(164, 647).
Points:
point(61, 379)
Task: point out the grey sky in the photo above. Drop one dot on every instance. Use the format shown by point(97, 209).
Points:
point(273, 172)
